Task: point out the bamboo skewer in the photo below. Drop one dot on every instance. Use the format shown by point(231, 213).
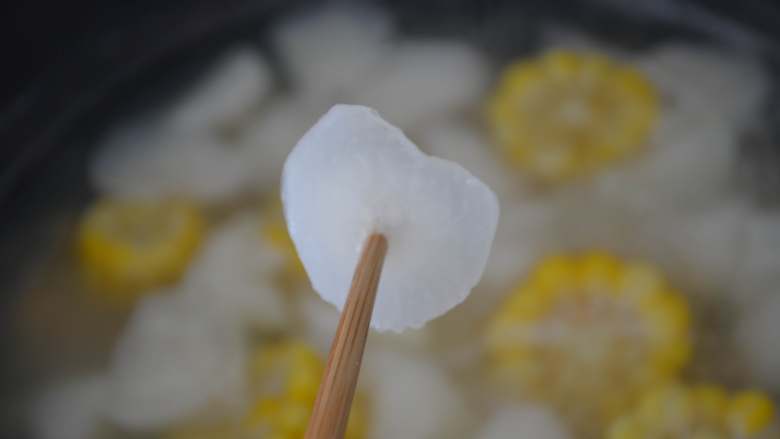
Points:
point(334, 398)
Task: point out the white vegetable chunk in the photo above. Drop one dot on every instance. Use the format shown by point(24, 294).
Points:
point(462, 144)
point(421, 80)
point(269, 138)
point(328, 51)
point(150, 161)
point(411, 395)
point(229, 90)
point(524, 421)
point(71, 410)
point(525, 232)
point(691, 77)
point(757, 337)
point(172, 363)
point(353, 174)
point(758, 272)
point(231, 278)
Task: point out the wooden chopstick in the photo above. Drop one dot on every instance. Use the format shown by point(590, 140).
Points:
point(334, 398)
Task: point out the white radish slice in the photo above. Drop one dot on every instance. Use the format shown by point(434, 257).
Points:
point(353, 174)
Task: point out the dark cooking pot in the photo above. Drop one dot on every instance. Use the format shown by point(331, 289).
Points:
point(77, 67)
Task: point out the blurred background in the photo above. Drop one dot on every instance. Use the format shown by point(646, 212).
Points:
point(150, 289)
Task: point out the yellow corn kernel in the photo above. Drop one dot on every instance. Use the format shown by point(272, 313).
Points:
point(750, 412)
point(127, 247)
point(668, 314)
point(678, 411)
point(638, 280)
point(599, 272)
point(566, 114)
point(588, 333)
point(553, 274)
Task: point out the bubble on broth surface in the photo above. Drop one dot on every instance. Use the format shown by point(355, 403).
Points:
point(173, 362)
point(420, 80)
point(70, 410)
point(327, 51)
point(524, 421)
point(353, 174)
point(239, 81)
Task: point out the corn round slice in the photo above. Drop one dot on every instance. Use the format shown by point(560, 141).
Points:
point(129, 246)
point(565, 114)
point(703, 411)
point(588, 334)
point(285, 376)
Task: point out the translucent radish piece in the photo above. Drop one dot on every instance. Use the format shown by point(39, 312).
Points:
point(411, 396)
point(172, 362)
point(327, 51)
point(419, 80)
point(230, 90)
point(354, 174)
point(524, 421)
point(149, 161)
point(231, 278)
point(71, 410)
